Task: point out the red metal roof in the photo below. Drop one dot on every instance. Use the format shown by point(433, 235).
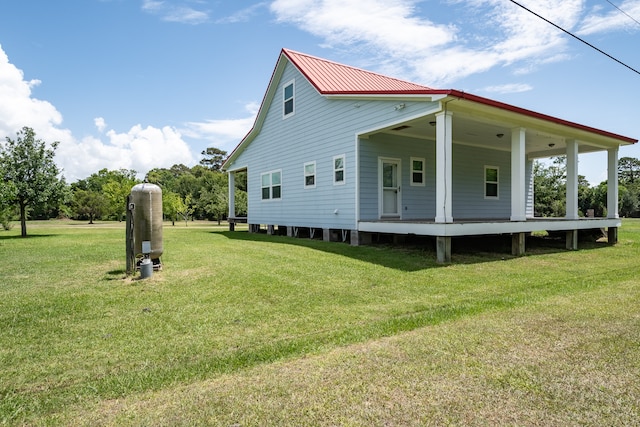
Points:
point(331, 78)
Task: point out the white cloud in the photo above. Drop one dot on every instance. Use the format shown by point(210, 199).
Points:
point(18, 108)
point(100, 124)
point(612, 20)
point(139, 148)
point(243, 15)
point(175, 12)
point(398, 39)
point(509, 88)
point(225, 133)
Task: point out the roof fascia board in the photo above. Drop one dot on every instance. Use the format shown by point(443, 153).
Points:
point(539, 118)
point(383, 97)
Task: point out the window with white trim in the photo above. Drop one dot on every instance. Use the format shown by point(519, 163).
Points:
point(417, 171)
point(310, 175)
point(339, 169)
point(271, 185)
point(288, 93)
point(491, 175)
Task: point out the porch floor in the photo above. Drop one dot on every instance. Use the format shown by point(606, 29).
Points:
point(480, 226)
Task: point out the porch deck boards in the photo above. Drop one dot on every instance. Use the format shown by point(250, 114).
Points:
point(480, 226)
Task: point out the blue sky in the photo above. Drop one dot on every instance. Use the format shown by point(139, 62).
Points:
point(139, 84)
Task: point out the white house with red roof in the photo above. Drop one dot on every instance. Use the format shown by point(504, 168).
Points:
point(350, 154)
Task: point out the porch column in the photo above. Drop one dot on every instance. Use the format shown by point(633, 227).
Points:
point(572, 179)
point(612, 183)
point(443, 167)
point(530, 197)
point(518, 194)
point(232, 195)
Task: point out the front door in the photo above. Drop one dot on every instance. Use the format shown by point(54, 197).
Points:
point(389, 178)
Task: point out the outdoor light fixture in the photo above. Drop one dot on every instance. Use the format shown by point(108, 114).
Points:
point(432, 123)
point(552, 145)
point(500, 135)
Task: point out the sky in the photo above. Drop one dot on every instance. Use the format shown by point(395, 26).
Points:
point(143, 84)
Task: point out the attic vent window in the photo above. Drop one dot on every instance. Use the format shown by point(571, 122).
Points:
point(288, 94)
point(401, 127)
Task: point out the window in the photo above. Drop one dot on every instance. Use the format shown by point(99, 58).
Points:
point(490, 182)
point(287, 97)
point(338, 170)
point(417, 171)
point(271, 185)
point(310, 175)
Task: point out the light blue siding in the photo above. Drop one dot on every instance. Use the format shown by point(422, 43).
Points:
point(322, 128)
point(469, 201)
point(319, 129)
point(418, 202)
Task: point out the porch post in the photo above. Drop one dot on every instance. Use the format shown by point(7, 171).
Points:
point(572, 179)
point(443, 167)
point(530, 197)
point(232, 195)
point(612, 183)
point(518, 194)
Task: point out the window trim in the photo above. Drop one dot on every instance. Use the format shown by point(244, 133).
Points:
point(343, 169)
point(270, 186)
point(497, 182)
point(291, 83)
point(423, 172)
point(305, 174)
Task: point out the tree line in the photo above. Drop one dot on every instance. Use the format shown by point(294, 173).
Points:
point(32, 187)
point(550, 183)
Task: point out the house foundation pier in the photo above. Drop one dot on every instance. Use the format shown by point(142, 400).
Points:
point(612, 235)
point(443, 249)
point(518, 244)
point(572, 240)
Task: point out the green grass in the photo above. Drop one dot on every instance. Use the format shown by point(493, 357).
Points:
point(251, 329)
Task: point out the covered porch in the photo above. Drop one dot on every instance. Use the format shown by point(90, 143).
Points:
point(521, 135)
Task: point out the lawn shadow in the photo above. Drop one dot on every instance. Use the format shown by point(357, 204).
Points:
point(28, 236)
point(416, 253)
point(117, 274)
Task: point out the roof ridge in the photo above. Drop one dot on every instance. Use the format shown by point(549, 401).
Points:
point(350, 67)
point(335, 77)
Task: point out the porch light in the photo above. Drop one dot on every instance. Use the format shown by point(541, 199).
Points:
point(500, 135)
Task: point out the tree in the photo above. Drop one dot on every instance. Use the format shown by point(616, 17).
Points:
point(172, 205)
point(29, 165)
point(628, 170)
point(7, 190)
point(213, 158)
point(549, 188)
point(89, 204)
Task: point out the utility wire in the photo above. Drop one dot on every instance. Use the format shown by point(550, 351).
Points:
point(576, 37)
point(631, 17)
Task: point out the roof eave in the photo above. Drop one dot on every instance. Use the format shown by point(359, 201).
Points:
point(530, 113)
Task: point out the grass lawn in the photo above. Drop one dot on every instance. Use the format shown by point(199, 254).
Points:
point(245, 329)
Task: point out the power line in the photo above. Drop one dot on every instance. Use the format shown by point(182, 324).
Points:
point(631, 17)
point(576, 37)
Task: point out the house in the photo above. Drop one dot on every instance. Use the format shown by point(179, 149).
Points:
point(349, 153)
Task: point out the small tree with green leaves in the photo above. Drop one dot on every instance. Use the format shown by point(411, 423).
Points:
point(28, 164)
point(172, 205)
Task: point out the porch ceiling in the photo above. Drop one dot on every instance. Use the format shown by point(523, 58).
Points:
point(542, 139)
